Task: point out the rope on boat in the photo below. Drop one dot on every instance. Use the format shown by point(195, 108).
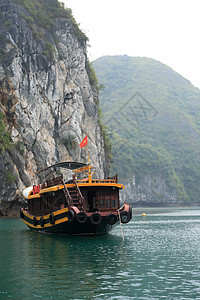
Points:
point(121, 207)
point(121, 225)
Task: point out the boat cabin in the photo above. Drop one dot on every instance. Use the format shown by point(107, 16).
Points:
point(89, 195)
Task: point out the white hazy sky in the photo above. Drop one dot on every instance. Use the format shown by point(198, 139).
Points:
point(165, 30)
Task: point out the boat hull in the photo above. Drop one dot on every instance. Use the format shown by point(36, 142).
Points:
point(63, 225)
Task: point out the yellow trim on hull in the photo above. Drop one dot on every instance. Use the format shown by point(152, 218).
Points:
point(83, 184)
point(54, 188)
point(46, 225)
point(58, 212)
point(34, 196)
point(117, 185)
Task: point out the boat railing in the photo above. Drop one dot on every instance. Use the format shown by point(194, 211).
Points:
point(96, 181)
point(59, 180)
point(55, 181)
point(113, 179)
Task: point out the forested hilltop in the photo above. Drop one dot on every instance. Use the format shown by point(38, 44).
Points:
point(153, 119)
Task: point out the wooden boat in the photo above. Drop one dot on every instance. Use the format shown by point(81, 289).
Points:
point(83, 206)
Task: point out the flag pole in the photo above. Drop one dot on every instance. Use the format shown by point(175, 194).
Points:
point(88, 154)
point(83, 144)
point(90, 176)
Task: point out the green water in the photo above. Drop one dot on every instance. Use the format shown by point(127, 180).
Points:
point(159, 259)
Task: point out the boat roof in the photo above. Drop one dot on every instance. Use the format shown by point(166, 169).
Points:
point(71, 165)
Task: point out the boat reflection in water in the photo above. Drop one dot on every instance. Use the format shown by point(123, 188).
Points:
point(83, 206)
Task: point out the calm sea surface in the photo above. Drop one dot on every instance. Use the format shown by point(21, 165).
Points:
point(159, 259)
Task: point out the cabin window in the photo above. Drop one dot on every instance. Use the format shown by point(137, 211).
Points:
point(113, 200)
point(101, 201)
point(108, 200)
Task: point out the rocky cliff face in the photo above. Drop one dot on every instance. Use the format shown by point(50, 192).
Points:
point(46, 97)
point(151, 191)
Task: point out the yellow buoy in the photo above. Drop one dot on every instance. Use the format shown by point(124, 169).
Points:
point(144, 215)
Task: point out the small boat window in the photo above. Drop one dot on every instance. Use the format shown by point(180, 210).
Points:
point(108, 200)
point(101, 201)
point(113, 200)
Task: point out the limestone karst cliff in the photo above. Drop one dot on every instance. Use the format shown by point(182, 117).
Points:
point(47, 100)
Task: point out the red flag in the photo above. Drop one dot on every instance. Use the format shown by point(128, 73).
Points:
point(84, 142)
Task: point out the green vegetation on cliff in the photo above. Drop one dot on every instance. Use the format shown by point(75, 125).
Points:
point(153, 118)
point(44, 13)
point(4, 134)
